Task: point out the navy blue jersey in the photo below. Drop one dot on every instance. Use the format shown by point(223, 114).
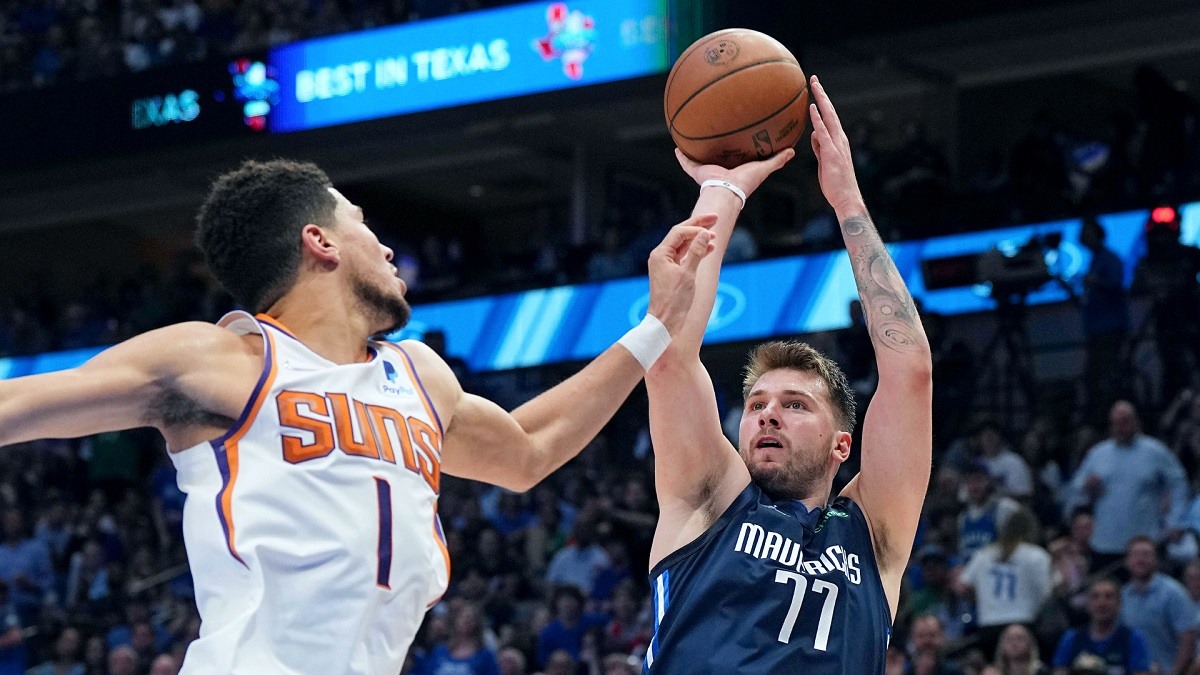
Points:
point(771, 587)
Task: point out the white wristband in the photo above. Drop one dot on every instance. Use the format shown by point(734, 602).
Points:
point(728, 186)
point(646, 341)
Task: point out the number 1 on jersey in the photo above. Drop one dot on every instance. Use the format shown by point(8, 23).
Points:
point(819, 586)
point(383, 573)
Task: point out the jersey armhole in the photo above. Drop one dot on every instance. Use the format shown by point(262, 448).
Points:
point(743, 500)
point(861, 517)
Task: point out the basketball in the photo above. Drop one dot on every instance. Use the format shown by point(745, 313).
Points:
point(735, 96)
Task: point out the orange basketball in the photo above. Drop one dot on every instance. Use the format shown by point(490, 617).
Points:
point(735, 96)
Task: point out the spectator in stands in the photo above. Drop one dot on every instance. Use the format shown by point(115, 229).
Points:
point(1126, 479)
point(927, 647)
point(561, 663)
point(1159, 608)
point(985, 511)
point(936, 595)
point(1008, 469)
point(512, 662)
point(629, 630)
point(24, 565)
point(1017, 653)
point(1104, 311)
point(1120, 647)
point(464, 652)
point(164, 664)
point(582, 559)
point(1010, 579)
point(565, 633)
point(65, 660)
point(123, 661)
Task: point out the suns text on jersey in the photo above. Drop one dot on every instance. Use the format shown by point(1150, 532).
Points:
point(314, 425)
point(756, 541)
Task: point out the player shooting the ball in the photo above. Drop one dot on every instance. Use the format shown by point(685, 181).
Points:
point(753, 568)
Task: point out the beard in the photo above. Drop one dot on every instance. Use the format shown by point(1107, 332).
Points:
point(388, 310)
point(798, 478)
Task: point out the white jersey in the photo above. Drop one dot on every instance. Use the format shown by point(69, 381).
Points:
point(311, 525)
point(1009, 591)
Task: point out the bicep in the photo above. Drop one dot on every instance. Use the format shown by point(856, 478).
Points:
point(108, 393)
point(485, 443)
point(694, 461)
point(897, 442)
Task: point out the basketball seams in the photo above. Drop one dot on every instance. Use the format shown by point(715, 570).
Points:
point(671, 121)
point(803, 91)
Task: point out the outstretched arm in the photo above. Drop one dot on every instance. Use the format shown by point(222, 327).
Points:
point(697, 471)
point(897, 435)
point(518, 450)
point(128, 385)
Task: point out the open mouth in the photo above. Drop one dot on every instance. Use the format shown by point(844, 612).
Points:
point(768, 442)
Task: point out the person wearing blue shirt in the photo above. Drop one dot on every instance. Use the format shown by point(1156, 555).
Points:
point(567, 629)
point(24, 565)
point(1125, 479)
point(464, 653)
point(13, 655)
point(1120, 647)
point(1160, 608)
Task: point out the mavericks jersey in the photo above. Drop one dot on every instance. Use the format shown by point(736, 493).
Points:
point(772, 587)
point(311, 525)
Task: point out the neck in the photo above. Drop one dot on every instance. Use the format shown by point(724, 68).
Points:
point(1142, 582)
point(325, 320)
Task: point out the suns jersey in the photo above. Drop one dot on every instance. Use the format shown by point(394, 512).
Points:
point(311, 525)
point(772, 587)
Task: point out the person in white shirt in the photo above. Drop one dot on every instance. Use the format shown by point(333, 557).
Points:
point(1010, 579)
point(1012, 474)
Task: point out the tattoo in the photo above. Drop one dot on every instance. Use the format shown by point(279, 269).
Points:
point(174, 409)
point(888, 307)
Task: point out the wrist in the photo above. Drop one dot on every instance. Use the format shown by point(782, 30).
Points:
point(726, 186)
point(646, 341)
point(849, 208)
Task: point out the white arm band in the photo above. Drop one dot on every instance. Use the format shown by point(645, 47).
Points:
point(646, 341)
point(728, 186)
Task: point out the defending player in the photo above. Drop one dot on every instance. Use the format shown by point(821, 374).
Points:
point(752, 569)
point(311, 454)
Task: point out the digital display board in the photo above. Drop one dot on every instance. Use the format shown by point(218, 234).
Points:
point(755, 300)
point(480, 56)
point(424, 65)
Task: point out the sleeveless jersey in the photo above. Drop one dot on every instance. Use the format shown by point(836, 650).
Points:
point(311, 525)
point(772, 588)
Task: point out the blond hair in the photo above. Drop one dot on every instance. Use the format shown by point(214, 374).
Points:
point(795, 355)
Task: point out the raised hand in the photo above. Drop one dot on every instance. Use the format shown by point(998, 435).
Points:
point(748, 176)
point(673, 265)
point(835, 166)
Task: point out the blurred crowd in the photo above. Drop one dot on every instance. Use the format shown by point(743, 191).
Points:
point(49, 42)
point(1052, 544)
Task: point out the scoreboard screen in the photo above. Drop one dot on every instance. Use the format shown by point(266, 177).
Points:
point(383, 72)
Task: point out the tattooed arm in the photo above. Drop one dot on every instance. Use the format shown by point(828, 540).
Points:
point(897, 436)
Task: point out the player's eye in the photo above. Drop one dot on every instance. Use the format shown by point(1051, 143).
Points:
point(796, 405)
point(756, 406)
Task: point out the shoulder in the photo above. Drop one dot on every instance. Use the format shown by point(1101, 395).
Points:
point(182, 348)
point(435, 375)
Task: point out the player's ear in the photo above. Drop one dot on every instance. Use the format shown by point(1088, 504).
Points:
point(316, 242)
point(841, 445)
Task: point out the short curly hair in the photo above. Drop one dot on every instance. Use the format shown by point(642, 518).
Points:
point(249, 226)
point(794, 355)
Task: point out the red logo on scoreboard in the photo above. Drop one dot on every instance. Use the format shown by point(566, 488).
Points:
point(571, 37)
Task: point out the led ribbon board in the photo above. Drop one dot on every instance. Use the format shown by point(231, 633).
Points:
point(755, 300)
point(481, 56)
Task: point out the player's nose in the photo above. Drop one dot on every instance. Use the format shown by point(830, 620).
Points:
point(388, 254)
